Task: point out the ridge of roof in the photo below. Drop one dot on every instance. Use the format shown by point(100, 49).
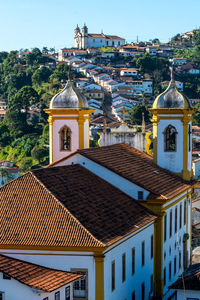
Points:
point(34, 275)
point(111, 157)
point(123, 173)
point(98, 197)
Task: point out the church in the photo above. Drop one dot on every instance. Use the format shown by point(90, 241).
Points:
point(84, 40)
point(114, 214)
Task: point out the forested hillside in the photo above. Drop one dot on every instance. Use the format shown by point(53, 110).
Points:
point(27, 84)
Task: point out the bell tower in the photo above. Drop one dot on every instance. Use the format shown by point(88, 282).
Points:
point(172, 131)
point(84, 31)
point(68, 122)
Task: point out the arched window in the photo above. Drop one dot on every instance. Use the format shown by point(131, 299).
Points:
point(170, 138)
point(65, 139)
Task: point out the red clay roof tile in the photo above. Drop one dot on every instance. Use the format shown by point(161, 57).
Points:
point(35, 276)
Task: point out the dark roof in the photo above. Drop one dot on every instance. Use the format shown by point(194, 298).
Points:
point(191, 279)
point(67, 206)
point(35, 276)
point(138, 167)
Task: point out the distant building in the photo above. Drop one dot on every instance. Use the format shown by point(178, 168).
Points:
point(84, 40)
point(8, 171)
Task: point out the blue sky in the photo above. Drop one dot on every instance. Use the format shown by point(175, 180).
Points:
point(38, 23)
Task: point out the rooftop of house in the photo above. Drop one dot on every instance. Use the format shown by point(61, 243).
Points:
point(137, 167)
point(105, 36)
point(35, 276)
point(67, 206)
point(191, 279)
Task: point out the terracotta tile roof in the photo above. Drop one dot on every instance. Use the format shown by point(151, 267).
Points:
point(139, 168)
point(35, 276)
point(67, 206)
point(27, 219)
point(191, 279)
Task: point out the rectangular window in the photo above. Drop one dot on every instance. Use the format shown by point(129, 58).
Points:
point(180, 260)
point(185, 211)
point(1, 296)
point(67, 293)
point(57, 296)
point(180, 220)
point(143, 291)
point(140, 195)
point(170, 224)
point(113, 275)
point(123, 267)
point(133, 261)
point(165, 228)
point(176, 216)
point(152, 246)
point(151, 284)
point(174, 265)
point(143, 253)
point(170, 270)
point(164, 276)
point(133, 295)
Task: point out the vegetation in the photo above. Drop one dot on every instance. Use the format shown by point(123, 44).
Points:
point(135, 115)
point(27, 83)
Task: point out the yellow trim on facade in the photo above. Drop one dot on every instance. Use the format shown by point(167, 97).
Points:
point(55, 248)
point(158, 256)
point(171, 111)
point(99, 277)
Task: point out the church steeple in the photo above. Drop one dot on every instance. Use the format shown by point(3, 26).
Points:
point(68, 122)
point(172, 124)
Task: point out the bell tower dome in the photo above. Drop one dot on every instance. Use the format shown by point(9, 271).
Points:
point(68, 122)
point(172, 131)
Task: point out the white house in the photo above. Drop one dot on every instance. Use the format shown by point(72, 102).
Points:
point(129, 72)
point(23, 280)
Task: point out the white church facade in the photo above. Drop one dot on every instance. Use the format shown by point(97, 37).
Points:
point(112, 213)
point(84, 40)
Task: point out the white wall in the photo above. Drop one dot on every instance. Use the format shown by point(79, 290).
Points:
point(121, 183)
point(188, 294)
point(51, 296)
point(176, 238)
point(14, 290)
point(172, 161)
point(61, 260)
point(57, 125)
point(123, 290)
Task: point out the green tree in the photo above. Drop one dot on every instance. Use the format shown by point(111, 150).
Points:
point(156, 41)
point(25, 97)
point(45, 50)
point(5, 137)
point(41, 75)
point(39, 153)
point(135, 115)
point(26, 164)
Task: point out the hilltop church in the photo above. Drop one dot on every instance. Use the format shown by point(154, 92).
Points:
point(114, 214)
point(84, 40)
